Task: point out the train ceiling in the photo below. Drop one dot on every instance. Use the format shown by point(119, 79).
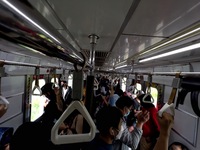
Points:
point(128, 30)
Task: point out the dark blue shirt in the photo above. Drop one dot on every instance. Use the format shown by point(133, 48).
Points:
point(98, 144)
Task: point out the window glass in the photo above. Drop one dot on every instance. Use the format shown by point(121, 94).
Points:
point(124, 84)
point(70, 80)
point(52, 80)
point(154, 94)
point(37, 102)
point(138, 87)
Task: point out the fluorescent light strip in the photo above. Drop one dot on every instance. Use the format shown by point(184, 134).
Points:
point(188, 48)
point(121, 66)
point(121, 63)
point(172, 40)
point(30, 20)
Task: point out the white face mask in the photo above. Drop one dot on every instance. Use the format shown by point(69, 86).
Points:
point(127, 113)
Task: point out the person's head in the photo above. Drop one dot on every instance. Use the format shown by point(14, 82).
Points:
point(29, 135)
point(64, 83)
point(108, 121)
point(145, 101)
point(177, 146)
point(48, 91)
point(118, 91)
point(125, 104)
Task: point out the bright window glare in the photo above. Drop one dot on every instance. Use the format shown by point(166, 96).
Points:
point(37, 102)
point(124, 84)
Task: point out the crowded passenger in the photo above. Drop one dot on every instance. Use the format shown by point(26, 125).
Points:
point(109, 129)
point(151, 128)
point(129, 139)
point(66, 93)
point(51, 111)
point(108, 122)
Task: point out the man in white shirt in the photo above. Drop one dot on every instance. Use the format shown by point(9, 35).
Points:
point(66, 93)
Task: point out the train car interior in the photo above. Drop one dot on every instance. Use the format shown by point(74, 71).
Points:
point(153, 45)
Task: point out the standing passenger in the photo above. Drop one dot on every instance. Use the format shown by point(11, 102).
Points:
point(66, 93)
point(51, 111)
point(151, 128)
point(129, 139)
point(108, 122)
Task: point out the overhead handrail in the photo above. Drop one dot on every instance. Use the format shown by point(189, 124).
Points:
point(37, 87)
point(73, 138)
point(170, 103)
point(148, 93)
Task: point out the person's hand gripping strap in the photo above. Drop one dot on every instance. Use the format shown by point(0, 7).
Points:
point(170, 103)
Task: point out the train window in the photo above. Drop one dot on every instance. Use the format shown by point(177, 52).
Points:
point(52, 80)
point(70, 80)
point(124, 84)
point(138, 87)
point(154, 94)
point(37, 102)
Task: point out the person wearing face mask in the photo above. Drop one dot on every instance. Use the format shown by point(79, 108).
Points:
point(129, 139)
point(151, 129)
point(108, 122)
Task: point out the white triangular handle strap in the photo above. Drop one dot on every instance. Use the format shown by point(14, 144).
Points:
point(165, 108)
point(4, 101)
point(38, 88)
point(73, 138)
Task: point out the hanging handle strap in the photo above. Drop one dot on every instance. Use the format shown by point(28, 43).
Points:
point(55, 84)
point(4, 101)
point(96, 84)
point(73, 138)
point(148, 90)
point(135, 82)
point(170, 103)
point(37, 87)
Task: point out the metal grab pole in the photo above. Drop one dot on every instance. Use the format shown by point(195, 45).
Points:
point(93, 42)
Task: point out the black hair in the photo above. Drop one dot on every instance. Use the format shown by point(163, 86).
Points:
point(30, 135)
point(124, 101)
point(107, 117)
point(48, 88)
point(183, 147)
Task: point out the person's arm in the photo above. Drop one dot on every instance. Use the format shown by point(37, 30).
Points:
point(79, 124)
point(166, 122)
point(132, 139)
point(59, 102)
